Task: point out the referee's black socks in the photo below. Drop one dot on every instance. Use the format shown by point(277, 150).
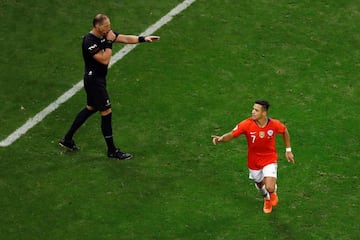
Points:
point(106, 128)
point(79, 120)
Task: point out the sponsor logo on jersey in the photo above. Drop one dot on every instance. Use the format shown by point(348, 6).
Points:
point(92, 47)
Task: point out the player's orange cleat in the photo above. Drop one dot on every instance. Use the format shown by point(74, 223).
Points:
point(274, 199)
point(267, 206)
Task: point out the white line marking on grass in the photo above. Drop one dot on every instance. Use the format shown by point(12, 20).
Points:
point(71, 92)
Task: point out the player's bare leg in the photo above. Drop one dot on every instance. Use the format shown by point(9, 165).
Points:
point(261, 187)
point(270, 184)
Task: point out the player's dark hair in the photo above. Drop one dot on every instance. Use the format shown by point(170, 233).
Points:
point(99, 18)
point(265, 104)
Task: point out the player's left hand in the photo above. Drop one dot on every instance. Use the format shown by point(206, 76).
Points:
point(290, 157)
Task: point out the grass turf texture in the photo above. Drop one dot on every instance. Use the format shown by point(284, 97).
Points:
point(168, 98)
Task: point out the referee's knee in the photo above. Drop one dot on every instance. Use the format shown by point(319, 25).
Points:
point(106, 112)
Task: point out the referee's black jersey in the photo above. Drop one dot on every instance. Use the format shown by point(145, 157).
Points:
point(90, 46)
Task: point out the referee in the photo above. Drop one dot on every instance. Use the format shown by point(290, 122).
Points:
point(97, 52)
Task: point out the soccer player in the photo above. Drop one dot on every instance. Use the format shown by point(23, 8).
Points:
point(260, 132)
point(97, 52)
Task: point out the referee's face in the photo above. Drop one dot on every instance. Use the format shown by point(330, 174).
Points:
point(104, 27)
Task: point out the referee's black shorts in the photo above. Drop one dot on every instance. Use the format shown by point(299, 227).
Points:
point(96, 93)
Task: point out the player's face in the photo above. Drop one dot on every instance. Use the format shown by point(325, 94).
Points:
point(258, 112)
point(104, 27)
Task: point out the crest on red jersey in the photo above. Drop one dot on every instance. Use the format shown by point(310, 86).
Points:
point(261, 134)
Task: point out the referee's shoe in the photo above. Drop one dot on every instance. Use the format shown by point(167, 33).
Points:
point(119, 155)
point(70, 145)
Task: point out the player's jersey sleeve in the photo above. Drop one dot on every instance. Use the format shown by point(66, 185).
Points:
point(240, 128)
point(280, 127)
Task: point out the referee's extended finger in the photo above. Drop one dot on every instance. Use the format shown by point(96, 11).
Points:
point(154, 38)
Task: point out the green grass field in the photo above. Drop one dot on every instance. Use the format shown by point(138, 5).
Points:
point(168, 98)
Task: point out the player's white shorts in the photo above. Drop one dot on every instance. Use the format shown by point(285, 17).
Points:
point(268, 171)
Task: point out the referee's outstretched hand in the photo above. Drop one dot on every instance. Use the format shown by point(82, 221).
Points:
point(151, 38)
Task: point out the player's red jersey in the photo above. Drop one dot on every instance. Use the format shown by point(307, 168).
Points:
point(261, 141)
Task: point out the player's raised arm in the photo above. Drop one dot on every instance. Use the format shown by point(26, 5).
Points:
point(224, 138)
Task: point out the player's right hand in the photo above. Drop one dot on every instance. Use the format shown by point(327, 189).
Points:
point(215, 139)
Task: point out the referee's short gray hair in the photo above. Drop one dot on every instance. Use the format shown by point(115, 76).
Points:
point(99, 18)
